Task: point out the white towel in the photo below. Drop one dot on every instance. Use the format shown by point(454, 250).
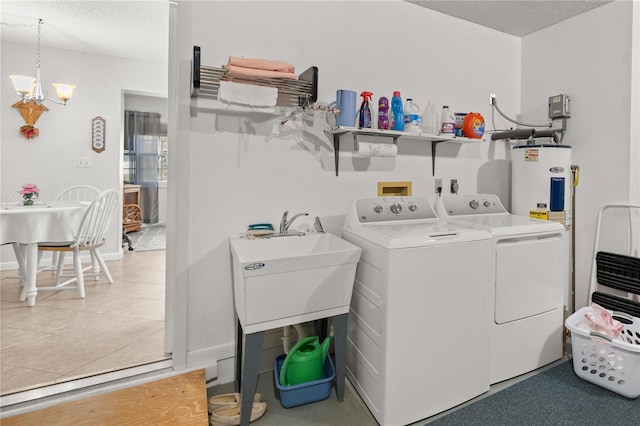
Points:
point(247, 94)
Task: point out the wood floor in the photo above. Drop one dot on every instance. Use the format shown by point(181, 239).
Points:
point(64, 337)
point(177, 400)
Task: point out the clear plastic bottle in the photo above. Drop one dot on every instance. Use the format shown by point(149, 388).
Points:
point(447, 121)
point(398, 111)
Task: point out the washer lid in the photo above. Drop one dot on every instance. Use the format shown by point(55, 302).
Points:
point(485, 211)
point(509, 224)
point(393, 235)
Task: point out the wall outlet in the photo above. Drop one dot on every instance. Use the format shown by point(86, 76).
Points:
point(453, 187)
point(492, 98)
point(84, 162)
point(438, 185)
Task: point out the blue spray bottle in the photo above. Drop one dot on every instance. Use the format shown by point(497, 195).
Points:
point(365, 111)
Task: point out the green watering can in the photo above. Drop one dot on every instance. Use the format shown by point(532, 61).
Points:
point(305, 361)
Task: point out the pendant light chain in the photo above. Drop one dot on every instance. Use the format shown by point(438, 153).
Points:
point(39, 25)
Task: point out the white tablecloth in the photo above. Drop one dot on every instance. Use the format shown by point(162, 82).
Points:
point(26, 226)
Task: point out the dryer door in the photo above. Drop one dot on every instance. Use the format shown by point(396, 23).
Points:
point(529, 279)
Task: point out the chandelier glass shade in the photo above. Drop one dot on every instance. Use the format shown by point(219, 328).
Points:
point(30, 89)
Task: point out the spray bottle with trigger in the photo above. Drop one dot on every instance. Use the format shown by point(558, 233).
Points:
point(365, 111)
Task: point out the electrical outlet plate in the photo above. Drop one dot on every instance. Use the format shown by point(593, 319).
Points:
point(492, 98)
point(84, 162)
point(453, 187)
point(438, 185)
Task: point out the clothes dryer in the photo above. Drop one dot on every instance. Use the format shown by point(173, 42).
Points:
point(530, 278)
point(418, 336)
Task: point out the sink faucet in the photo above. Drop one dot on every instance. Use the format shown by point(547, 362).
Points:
point(285, 224)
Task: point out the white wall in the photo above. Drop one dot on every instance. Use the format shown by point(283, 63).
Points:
point(589, 58)
point(49, 160)
point(237, 169)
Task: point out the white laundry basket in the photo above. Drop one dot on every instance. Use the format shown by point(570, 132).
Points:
point(613, 364)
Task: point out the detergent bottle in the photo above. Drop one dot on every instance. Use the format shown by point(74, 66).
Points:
point(473, 125)
point(383, 114)
point(412, 117)
point(447, 121)
point(365, 111)
point(398, 112)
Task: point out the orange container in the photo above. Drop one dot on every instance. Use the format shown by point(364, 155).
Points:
point(473, 125)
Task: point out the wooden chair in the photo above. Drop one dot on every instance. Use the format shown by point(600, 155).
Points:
point(89, 237)
point(74, 193)
point(78, 193)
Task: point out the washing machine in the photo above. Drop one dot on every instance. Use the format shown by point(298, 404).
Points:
point(418, 335)
point(530, 278)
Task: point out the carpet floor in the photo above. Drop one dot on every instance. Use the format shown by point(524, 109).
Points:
point(556, 396)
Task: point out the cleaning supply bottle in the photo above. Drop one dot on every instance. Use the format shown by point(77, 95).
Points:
point(412, 117)
point(398, 112)
point(365, 111)
point(431, 119)
point(447, 121)
point(383, 113)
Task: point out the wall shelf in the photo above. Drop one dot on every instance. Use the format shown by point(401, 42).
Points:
point(205, 83)
point(336, 132)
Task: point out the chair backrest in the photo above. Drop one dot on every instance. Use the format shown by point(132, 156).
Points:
point(96, 219)
point(78, 193)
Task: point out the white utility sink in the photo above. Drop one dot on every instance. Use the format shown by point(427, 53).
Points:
point(291, 279)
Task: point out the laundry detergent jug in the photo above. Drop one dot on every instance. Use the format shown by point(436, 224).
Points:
point(473, 125)
point(305, 361)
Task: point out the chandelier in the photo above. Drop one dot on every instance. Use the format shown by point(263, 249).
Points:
point(30, 89)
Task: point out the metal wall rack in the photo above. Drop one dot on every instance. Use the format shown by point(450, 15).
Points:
point(205, 83)
point(336, 132)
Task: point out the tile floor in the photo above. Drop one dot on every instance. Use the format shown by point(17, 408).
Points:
point(63, 337)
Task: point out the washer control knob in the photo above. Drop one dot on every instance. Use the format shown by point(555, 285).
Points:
point(395, 208)
point(474, 204)
point(377, 208)
point(486, 203)
point(413, 207)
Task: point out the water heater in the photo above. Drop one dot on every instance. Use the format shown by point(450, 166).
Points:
point(541, 182)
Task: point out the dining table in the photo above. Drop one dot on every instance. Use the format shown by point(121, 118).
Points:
point(24, 226)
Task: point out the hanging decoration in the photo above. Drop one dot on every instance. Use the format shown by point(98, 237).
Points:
point(30, 112)
point(98, 134)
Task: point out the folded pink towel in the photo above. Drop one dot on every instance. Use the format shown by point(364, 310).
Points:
point(261, 64)
point(254, 72)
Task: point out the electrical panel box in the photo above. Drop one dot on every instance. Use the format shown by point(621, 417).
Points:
point(559, 106)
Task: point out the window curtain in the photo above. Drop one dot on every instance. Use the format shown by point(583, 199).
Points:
point(141, 139)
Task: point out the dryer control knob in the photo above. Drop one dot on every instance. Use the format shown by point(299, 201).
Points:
point(395, 208)
point(378, 208)
point(486, 203)
point(413, 207)
point(474, 204)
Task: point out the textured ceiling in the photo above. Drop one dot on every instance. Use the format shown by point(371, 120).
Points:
point(515, 17)
point(140, 29)
point(128, 29)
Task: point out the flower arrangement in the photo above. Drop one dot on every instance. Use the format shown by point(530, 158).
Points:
point(29, 191)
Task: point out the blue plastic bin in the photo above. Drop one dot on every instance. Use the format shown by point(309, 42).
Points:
point(304, 393)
